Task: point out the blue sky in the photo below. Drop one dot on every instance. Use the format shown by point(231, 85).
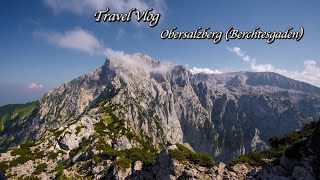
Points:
point(36, 57)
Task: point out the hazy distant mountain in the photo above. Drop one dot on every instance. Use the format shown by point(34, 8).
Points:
point(139, 100)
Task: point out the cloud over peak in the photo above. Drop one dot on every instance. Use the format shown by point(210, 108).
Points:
point(196, 70)
point(85, 41)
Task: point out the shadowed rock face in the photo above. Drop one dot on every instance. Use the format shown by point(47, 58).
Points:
point(314, 141)
point(225, 114)
point(248, 108)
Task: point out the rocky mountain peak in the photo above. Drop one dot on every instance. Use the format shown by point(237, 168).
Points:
point(145, 58)
point(138, 64)
point(133, 101)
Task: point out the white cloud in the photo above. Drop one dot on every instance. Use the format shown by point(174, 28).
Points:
point(262, 67)
point(77, 39)
point(238, 51)
point(84, 41)
point(196, 70)
point(120, 6)
point(35, 86)
point(118, 55)
point(136, 61)
point(310, 73)
point(242, 54)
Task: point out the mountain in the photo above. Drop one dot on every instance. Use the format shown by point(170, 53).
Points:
point(10, 115)
point(135, 105)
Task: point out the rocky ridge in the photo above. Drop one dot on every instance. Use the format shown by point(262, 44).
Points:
point(135, 105)
point(300, 160)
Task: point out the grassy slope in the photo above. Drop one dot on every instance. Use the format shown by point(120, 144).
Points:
point(15, 112)
point(12, 113)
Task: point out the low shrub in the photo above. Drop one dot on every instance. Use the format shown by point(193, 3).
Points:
point(4, 165)
point(137, 154)
point(275, 142)
point(40, 168)
point(52, 155)
point(206, 160)
point(290, 145)
point(59, 169)
point(178, 155)
point(21, 152)
point(293, 151)
point(78, 129)
point(123, 162)
point(133, 154)
point(252, 158)
point(107, 150)
point(183, 154)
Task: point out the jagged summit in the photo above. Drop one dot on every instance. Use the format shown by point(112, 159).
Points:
point(137, 63)
point(145, 58)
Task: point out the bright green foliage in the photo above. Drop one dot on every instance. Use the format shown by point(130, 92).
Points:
point(107, 150)
point(133, 154)
point(178, 155)
point(16, 112)
point(137, 154)
point(59, 169)
point(57, 132)
point(112, 126)
point(24, 149)
point(183, 148)
point(111, 123)
point(183, 154)
point(21, 151)
point(123, 162)
point(40, 168)
point(146, 155)
point(83, 146)
point(252, 158)
point(52, 155)
point(206, 160)
point(100, 127)
point(25, 154)
point(293, 137)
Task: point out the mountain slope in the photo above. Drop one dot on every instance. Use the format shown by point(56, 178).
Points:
point(254, 107)
point(12, 115)
point(134, 100)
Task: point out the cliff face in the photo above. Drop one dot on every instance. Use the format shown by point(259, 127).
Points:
point(225, 115)
point(253, 107)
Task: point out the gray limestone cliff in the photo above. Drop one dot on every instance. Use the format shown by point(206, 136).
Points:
point(225, 115)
